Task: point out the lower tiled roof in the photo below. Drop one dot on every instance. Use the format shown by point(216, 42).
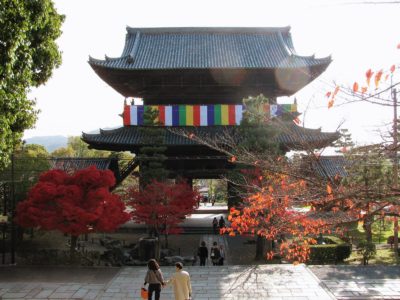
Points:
point(70, 164)
point(291, 136)
point(331, 166)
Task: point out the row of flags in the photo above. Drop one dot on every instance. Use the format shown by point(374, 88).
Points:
point(198, 115)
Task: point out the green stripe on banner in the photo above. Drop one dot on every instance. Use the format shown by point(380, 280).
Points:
point(217, 114)
point(146, 120)
point(182, 115)
point(287, 107)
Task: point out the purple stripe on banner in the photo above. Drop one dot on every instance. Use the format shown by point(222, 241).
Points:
point(140, 111)
point(175, 115)
point(210, 115)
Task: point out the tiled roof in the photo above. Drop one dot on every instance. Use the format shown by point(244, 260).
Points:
point(293, 136)
point(72, 164)
point(331, 166)
point(208, 48)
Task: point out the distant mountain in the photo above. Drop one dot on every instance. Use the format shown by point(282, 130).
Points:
point(51, 142)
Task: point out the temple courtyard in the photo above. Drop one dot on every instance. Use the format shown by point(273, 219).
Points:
point(239, 278)
point(222, 282)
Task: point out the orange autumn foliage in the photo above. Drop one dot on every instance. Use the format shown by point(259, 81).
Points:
point(330, 103)
point(271, 212)
point(355, 87)
point(378, 76)
point(369, 74)
point(328, 189)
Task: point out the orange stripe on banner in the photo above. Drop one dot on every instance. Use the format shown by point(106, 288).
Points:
point(196, 115)
point(161, 114)
point(224, 114)
point(189, 115)
point(232, 116)
point(127, 115)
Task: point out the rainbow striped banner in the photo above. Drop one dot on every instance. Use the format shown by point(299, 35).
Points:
point(199, 115)
point(186, 115)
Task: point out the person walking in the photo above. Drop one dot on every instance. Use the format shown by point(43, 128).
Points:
point(213, 201)
point(221, 222)
point(154, 278)
point(181, 283)
point(202, 253)
point(215, 255)
point(215, 225)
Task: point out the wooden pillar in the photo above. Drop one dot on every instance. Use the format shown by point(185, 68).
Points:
point(189, 181)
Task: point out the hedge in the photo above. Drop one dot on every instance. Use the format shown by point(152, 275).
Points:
point(336, 251)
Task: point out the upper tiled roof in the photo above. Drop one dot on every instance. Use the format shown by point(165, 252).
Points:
point(293, 136)
point(208, 48)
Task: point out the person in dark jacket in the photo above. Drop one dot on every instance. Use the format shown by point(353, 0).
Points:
point(215, 255)
point(202, 253)
point(221, 222)
point(215, 225)
point(154, 278)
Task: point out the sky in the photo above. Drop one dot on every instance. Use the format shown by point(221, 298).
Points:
point(357, 34)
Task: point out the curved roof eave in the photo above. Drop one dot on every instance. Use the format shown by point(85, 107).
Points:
point(94, 62)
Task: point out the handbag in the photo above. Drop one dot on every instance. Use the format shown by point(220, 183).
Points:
point(144, 293)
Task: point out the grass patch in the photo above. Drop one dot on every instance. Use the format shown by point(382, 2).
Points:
point(380, 232)
point(382, 257)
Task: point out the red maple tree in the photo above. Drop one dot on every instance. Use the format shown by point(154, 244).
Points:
point(163, 206)
point(73, 204)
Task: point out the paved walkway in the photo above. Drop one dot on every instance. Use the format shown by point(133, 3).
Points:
point(225, 282)
point(221, 240)
point(360, 282)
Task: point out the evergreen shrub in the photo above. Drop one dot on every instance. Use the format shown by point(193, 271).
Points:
point(335, 250)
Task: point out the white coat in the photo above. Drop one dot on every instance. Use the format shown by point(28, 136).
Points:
point(181, 284)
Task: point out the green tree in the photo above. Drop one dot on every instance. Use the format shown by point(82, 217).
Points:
point(29, 162)
point(345, 142)
point(78, 148)
point(28, 55)
point(368, 184)
point(257, 143)
point(151, 154)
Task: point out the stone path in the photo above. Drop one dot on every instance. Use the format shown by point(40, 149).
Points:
point(221, 240)
point(360, 282)
point(225, 282)
point(229, 282)
point(209, 283)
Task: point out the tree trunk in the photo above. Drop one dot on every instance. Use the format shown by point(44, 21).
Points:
point(260, 248)
point(166, 240)
point(269, 246)
point(72, 249)
point(368, 229)
point(395, 238)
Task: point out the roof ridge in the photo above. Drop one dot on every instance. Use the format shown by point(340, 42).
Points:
point(284, 44)
point(249, 30)
point(132, 54)
point(108, 58)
